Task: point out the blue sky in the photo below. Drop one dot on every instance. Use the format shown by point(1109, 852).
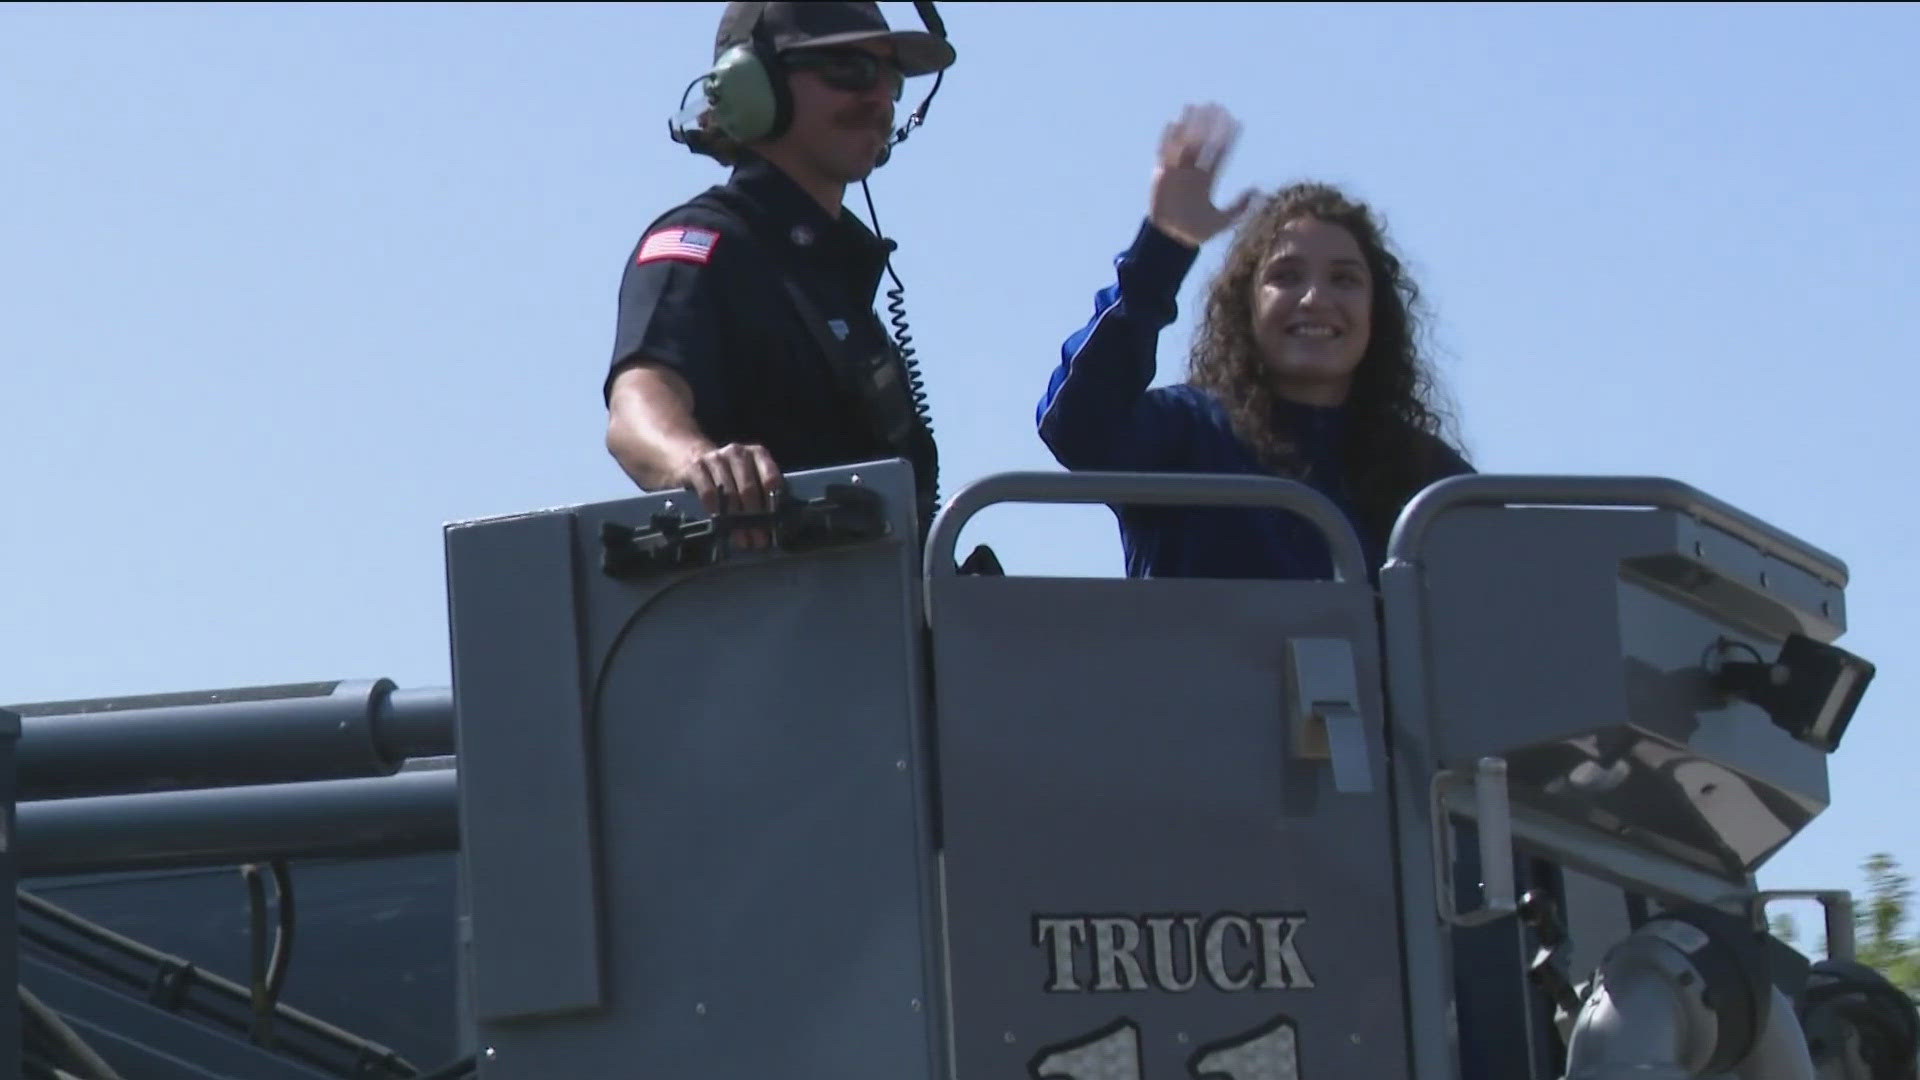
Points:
point(288, 288)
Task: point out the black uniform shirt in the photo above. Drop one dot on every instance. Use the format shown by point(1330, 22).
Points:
point(697, 297)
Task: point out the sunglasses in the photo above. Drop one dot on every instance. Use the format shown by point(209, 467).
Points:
point(854, 71)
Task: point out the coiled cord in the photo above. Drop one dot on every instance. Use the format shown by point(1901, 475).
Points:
point(903, 340)
point(896, 296)
point(916, 386)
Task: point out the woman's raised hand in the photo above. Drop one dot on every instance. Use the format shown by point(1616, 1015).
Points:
point(1192, 151)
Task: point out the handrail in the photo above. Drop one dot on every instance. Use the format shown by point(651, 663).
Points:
point(1155, 489)
point(1493, 490)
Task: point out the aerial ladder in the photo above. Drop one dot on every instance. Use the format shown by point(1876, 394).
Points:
point(836, 809)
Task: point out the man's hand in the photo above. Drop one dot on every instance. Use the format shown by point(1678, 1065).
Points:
point(735, 478)
point(652, 434)
point(1192, 151)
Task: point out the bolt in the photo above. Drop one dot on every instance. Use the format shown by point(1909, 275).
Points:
point(1355, 1037)
point(901, 765)
point(700, 1007)
point(916, 1004)
point(1181, 1038)
point(492, 1053)
point(1008, 1037)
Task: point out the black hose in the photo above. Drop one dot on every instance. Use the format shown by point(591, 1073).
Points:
point(283, 933)
point(44, 1027)
point(462, 1068)
point(268, 974)
point(260, 1030)
point(185, 975)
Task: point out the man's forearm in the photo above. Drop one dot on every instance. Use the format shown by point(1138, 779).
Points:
point(650, 427)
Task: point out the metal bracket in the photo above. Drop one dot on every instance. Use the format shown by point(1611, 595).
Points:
point(846, 514)
point(1347, 743)
point(1493, 818)
point(1326, 719)
point(1836, 904)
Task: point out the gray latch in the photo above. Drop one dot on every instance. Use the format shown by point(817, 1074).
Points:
point(1326, 718)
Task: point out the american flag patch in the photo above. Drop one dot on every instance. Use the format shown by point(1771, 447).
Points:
point(678, 243)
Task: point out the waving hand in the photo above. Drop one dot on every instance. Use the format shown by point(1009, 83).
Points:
point(1192, 151)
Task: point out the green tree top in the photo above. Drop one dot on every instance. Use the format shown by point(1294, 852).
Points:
point(1879, 923)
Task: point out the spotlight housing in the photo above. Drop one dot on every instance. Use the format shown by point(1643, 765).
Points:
point(1810, 690)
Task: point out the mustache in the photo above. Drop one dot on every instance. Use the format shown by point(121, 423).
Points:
point(866, 116)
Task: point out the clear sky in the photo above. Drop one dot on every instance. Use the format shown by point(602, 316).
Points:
point(287, 288)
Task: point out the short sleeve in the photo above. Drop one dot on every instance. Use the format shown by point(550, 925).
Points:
point(672, 308)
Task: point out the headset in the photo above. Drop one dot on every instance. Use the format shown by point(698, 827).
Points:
point(746, 94)
point(747, 97)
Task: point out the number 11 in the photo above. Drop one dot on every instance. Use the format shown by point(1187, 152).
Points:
point(1113, 1053)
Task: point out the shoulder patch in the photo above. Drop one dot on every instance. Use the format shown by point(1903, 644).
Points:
point(679, 243)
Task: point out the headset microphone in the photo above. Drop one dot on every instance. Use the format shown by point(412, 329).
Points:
point(938, 28)
point(679, 127)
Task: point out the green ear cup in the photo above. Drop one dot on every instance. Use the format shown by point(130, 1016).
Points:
point(740, 90)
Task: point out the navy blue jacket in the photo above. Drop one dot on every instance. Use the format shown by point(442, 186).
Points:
point(1098, 413)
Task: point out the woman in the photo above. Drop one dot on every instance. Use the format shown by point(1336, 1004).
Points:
point(1305, 367)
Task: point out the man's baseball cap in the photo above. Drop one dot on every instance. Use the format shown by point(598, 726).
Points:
point(813, 23)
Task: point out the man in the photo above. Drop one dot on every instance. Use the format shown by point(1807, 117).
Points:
point(746, 343)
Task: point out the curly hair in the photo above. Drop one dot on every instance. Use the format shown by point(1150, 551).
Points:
point(1395, 424)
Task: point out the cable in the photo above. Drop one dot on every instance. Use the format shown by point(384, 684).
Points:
point(269, 972)
point(461, 1068)
point(172, 979)
point(918, 116)
point(283, 935)
point(44, 1032)
point(1714, 660)
point(903, 339)
point(938, 28)
point(262, 1024)
point(896, 296)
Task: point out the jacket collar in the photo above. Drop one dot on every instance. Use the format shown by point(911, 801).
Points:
point(801, 223)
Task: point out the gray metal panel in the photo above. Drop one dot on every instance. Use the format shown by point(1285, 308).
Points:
point(1515, 630)
point(1124, 784)
point(1428, 975)
point(1596, 917)
point(1590, 684)
point(525, 795)
point(767, 863)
